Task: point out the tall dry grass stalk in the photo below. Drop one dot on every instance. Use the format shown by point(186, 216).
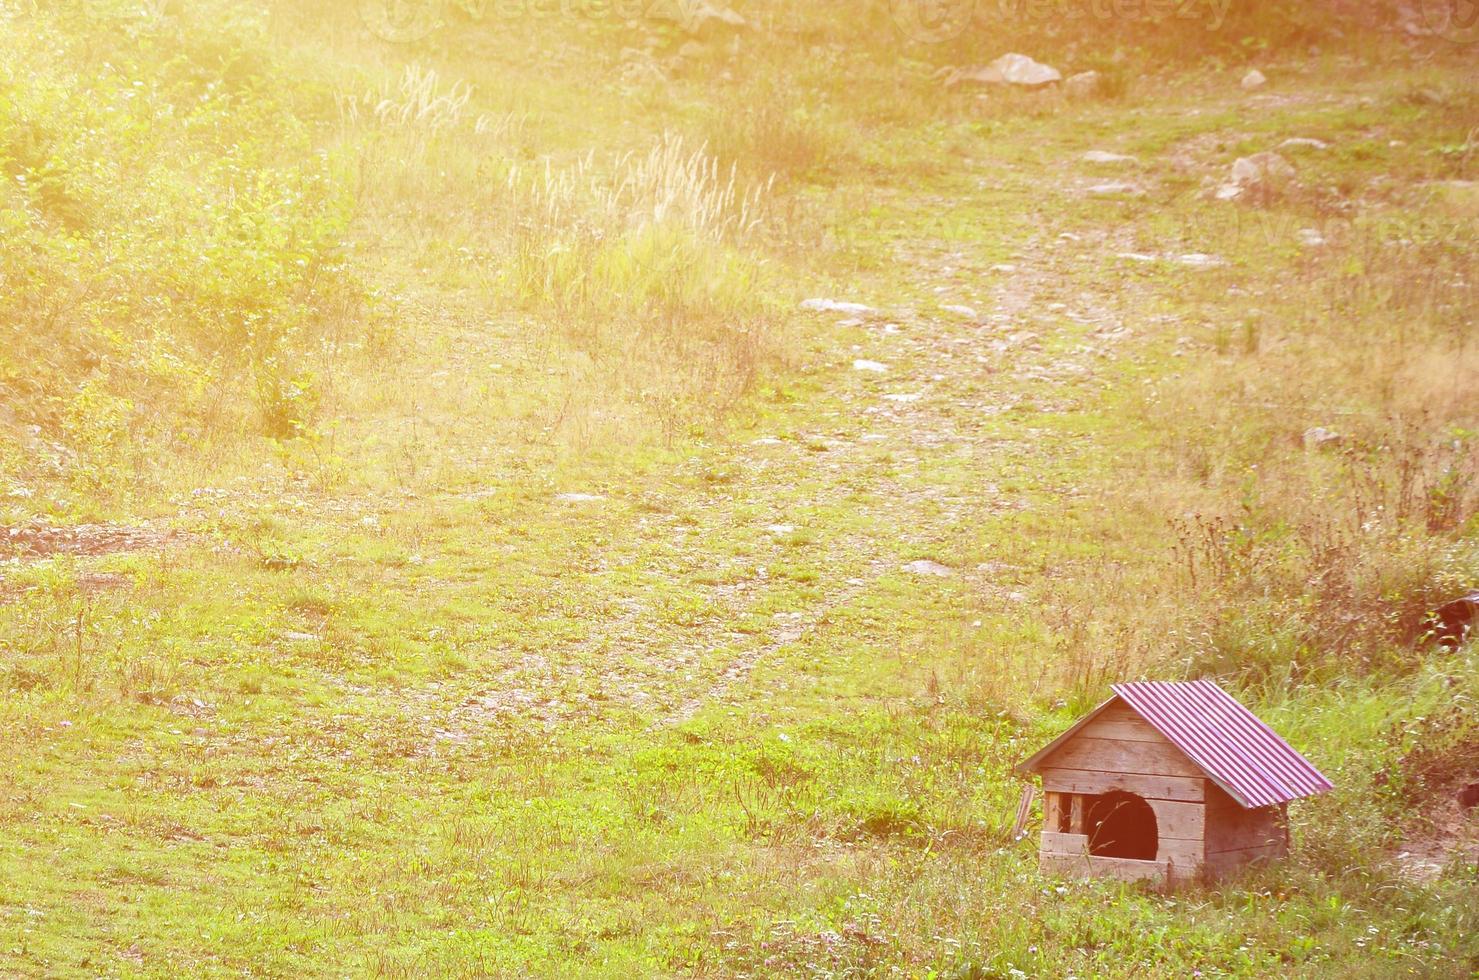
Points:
point(418, 99)
point(670, 185)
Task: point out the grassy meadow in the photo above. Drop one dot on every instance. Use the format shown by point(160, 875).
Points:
point(437, 538)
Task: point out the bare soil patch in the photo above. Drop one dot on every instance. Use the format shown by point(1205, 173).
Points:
point(40, 540)
point(1433, 775)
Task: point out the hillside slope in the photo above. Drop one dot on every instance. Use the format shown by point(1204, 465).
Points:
point(440, 540)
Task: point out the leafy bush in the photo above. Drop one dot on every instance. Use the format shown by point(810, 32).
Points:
point(173, 242)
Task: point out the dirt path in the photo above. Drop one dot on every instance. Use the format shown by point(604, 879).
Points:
point(879, 471)
point(41, 540)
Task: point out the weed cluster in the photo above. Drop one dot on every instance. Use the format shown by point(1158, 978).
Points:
point(168, 270)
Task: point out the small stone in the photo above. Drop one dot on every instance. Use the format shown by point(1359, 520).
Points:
point(1114, 188)
point(296, 637)
point(1261, 168)
point(874, 366)
point(965, 311)
point(1003, 267)
point(780, 528)
point(927, 567)
point(1319, 437)
point(836, 306)
point(903, 398)
point(1199, 260)
point(1303, 143)
point(1136, 256)
point(1104, 156)
point(1009, 69)
point(1311, 237)
point(579, 498)
point(1254, 80)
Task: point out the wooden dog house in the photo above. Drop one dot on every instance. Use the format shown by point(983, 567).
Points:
point(1168, 782)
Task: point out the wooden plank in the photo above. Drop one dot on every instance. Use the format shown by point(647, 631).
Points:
point(1119, 711)
point(1065, 780)
point(1076, 814)
point(1055, 817)
point(1265, 834)
point(1229, 863)
point(1180, 821)
point(1024, 811)
point(1123, 869)
point(1245, 854)
point(1218, 800)
point(1123, 725)
point(1230, 827)
point(1182, 853)
point(1056, 843)
point(1113, 755)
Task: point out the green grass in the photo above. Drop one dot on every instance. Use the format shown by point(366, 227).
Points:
point(356, 319)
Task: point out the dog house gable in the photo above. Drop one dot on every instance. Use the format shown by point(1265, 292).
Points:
point(1167, 782)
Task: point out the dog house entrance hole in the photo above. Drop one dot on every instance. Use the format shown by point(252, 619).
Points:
point(1122, 825)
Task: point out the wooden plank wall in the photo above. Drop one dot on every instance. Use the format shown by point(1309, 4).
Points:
point(1118, 750)
point(1203, 832)
point(1237, 837)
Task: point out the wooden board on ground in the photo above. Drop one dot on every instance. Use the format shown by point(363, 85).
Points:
point(1122, 869)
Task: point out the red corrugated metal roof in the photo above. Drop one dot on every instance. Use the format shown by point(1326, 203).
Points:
point(1227, 741)
point(1237, 751)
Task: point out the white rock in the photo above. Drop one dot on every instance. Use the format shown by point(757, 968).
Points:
point(903, 398)
point(1009, 69)
point(1136, 256)
point(1319, 437)
point(295, 637)
point(1114, 188)
point(1199, 260)
point(874, 366)
point(1311, 237)
point(1104, 156)
point(965, 311)
point(1004, 267)
point(926, 567)
point(1255, 79)
point(767, 441)
point(1261, 168)
point(579, 498)
point(1303, 143)
point(836, 306)
point(1229, 192)
point(780, 528)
